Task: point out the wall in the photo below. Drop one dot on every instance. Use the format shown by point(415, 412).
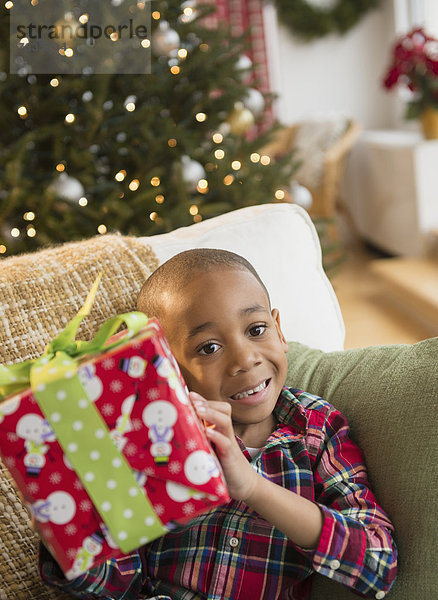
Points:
point(340, 74)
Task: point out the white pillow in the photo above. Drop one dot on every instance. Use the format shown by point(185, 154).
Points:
point(280, 241)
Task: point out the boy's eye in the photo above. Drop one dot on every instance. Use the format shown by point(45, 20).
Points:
point(209, 348)
point(257, 330)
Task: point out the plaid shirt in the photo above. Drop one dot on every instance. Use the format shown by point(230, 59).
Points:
point(232, 553)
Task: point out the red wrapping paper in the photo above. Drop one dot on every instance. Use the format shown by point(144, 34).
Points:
point(138, 389)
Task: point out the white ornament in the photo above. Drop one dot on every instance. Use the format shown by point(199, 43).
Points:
point(192, 172)
point(254, 101)
point(68, 188)
point(164, 40)
point(244, 63)
point(189, 11)
point(301, 195)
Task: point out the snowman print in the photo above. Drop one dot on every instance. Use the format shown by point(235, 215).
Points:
point(200, 467)
point(181, 493)
point(164, 369)
point(91, 383)
point(135, 366)
point(160, 417)
point(91, 547)
point(123, 422)
point(58, 508)
point(35, 431)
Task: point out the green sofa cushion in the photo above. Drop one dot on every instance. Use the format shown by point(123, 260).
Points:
point(390, 396)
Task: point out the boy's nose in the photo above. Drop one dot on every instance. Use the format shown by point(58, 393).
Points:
point(243, 357)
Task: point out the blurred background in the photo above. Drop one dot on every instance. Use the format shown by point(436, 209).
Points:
point(332, 104)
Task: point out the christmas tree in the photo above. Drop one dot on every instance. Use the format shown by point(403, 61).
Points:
point(140, 154)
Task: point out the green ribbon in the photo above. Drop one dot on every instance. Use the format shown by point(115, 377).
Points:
point(81, 430)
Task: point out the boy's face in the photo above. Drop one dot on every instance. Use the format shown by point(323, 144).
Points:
point(229, 346)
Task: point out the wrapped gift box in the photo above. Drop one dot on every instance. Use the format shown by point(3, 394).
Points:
point(140, 395)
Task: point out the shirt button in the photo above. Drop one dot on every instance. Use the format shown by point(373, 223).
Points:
point(234, 542)
point(380, 595)
point(335, 564)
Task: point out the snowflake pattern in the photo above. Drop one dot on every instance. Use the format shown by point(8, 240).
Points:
point(159, 509)
point(71, 553)
point(12, 437)
point(137, 424)
point(108, 364)
point(70, 529)
point(33, 488)
point(10, 461)
point(191, 445)
point(130, 450)
point(175, 467)
point(190, 419)
point(116, 386)
point(221, 490)
point(137, 344)
point(149, 471)
point(85, 505)
point(78, 485)
point(188, 508)
point(107, 410)
point(48, 533)
point(153, 394)
point(55, 478)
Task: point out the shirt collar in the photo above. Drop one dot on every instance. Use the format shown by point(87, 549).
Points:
point(289, 411)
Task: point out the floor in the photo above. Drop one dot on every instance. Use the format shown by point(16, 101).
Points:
point(370, 317)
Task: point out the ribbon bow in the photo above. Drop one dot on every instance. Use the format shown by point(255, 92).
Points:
point(80, 428)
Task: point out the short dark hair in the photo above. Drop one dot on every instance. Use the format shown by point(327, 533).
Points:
point(175, 273)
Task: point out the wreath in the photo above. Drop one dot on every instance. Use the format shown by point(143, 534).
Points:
point(310, 22)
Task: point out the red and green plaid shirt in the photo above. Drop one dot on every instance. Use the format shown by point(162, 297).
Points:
point(232, 553)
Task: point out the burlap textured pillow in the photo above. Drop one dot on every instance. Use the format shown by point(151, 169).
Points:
point(390, 396)
point(39, 294)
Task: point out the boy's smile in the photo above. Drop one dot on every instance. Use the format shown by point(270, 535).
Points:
point(229, 346)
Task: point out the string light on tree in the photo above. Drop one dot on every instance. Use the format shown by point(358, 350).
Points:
point(129, 103)
point(202, 186)
point(31, 231)
point(22, 112)
point(69, 118)
point(155, 181)
point(134, 185)
point(218, 138)
point(200, 117)
point(159, 199)
point(120, 176)
point(255, 157)
point(236, 165)
point(102, 229)
point(83, 201)
point(265, 160)
point(219, 153)
point(54, 82)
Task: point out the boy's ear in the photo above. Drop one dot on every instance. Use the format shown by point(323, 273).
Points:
point(276, 316)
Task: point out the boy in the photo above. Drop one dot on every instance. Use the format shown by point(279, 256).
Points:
point(301, 500)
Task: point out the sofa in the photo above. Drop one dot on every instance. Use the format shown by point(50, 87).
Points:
point(388, 393)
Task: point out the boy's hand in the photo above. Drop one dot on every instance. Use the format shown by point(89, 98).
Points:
point(239, 475)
